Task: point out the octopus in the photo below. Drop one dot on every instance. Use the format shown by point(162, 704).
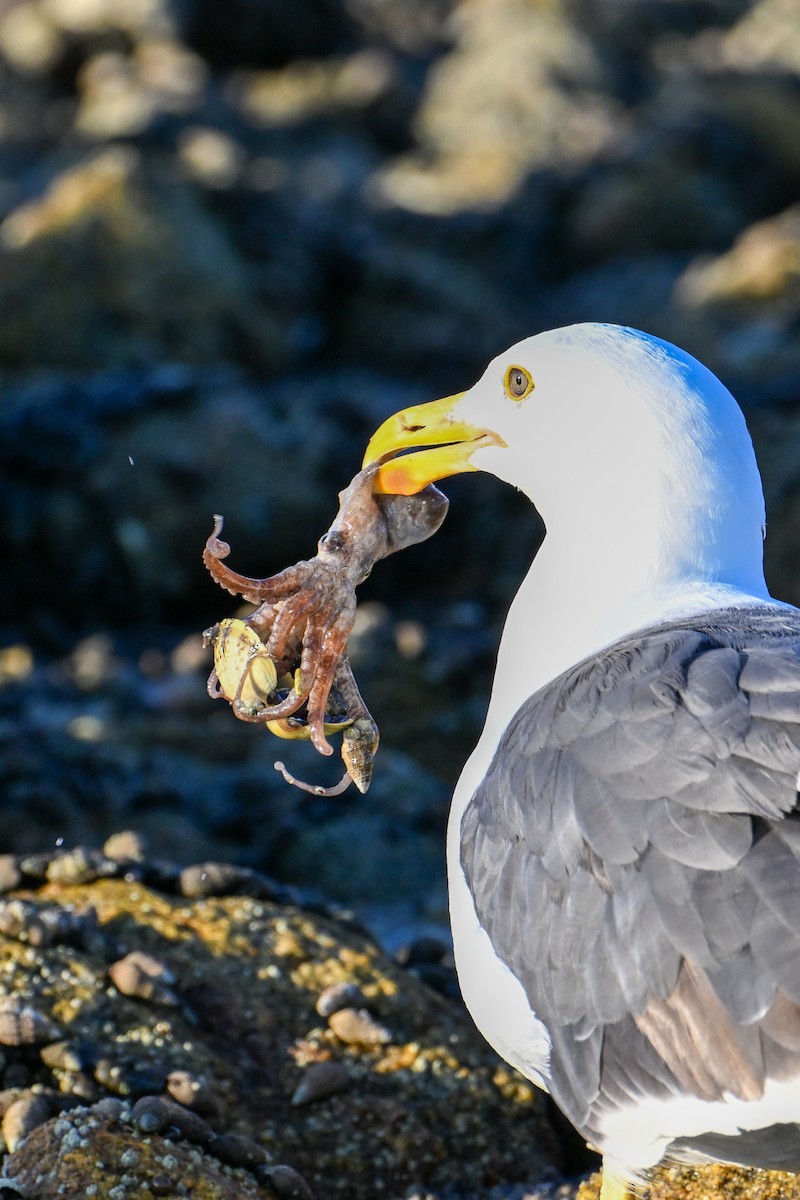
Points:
point(285, 665)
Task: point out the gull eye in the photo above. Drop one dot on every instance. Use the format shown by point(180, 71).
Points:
point(518, 383)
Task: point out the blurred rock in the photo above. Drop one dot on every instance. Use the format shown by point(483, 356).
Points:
point(522, 88)
point(109, 264)
point(762, 269)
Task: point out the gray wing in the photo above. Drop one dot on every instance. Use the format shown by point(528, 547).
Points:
point(634, 854)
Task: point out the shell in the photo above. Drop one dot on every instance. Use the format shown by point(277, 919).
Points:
point(245, 671)
point(154, 1114)
point(23, 1116)
point(192, 1091)
point(126, 1078)
point(321, 1079)
point(125, 846)
point(287, 1183)
point(358, 1027)
point(141, 975)
point(359, 747)
point(236, 1150)
point(23, 1025)
point(339, 995)
point(67, 1056)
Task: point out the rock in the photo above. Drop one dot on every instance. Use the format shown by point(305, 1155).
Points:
point(155, 273)
point(761, 271)
point(434, 1104)
point(717, 1183)
point(496, 108)
point(89, 1154)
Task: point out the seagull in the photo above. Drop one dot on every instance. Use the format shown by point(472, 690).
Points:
point(623, 845)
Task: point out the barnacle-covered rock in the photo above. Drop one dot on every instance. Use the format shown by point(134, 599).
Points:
point(241, 1086)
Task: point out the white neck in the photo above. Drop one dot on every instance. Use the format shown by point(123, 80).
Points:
point(568, 608)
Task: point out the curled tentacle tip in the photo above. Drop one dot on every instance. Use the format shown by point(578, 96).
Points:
point(218, 549)
point(213, 686)
point(315, 789)
point(214, 546)
point(320, 742)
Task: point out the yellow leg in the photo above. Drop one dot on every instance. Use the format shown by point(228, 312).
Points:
point(614, 1186)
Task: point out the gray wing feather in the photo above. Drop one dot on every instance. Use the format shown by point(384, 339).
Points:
point(638, 821)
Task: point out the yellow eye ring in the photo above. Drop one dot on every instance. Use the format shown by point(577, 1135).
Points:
point(518, 383)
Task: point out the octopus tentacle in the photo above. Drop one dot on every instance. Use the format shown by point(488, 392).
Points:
point(316, 789)
point(271, 588)
point(262, 619)
point(333, 646)
point(294, 612)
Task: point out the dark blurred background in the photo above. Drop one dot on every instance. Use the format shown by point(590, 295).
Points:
point(234, 237)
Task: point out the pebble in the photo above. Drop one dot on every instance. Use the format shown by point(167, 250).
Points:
point(62, 924)
point(148, 1114)
point(35, 865)
point(41, 927)
point(23, 1116)
point(68, 1056)
point(110, 1109)
point(21, 920)
point(82, 1087)
point(10, 874)
point(287, 1183)
point(80, 865)
point(125, 846)
point(212, 879)
point(321, 1079)
point(357, 1026)
point(154, 1114)
point(145, 977)
point(337, 996)
point(192, 1091)
point(235, 1150)
point(23, 1025)
point(7, 1098)
point(226, 879)
point(127, 1078)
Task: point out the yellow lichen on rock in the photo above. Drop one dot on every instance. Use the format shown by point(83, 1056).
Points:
point(410, 1095)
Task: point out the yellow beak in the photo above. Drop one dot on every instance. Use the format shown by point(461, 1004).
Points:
point(450, 444)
